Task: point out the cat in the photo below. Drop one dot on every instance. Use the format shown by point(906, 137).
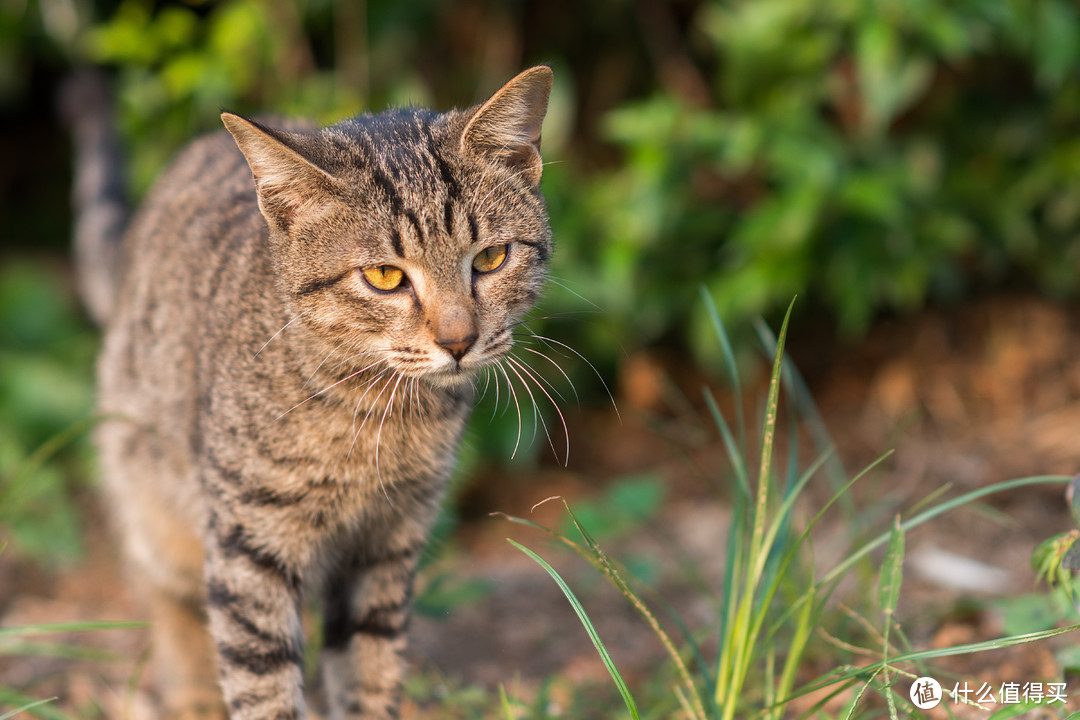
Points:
point(295, 322)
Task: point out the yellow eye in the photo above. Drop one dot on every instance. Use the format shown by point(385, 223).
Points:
point(384, 277)
point(490, 259)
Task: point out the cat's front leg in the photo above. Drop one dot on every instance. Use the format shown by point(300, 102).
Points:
point(366, 614)
point(253, 609)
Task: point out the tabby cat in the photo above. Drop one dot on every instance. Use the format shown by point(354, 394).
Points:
point(296, 321)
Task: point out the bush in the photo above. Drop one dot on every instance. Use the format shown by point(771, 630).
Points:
point(869, 156)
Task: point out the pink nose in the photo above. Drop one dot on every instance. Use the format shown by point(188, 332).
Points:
point(457, 348)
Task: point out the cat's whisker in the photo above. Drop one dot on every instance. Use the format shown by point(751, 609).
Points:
point(547, 341)
point(345, 360)
point(319, 366)
point(566, 431)
point(538, 417)
point(481, 392)
point(419, 400)
point(295, 318)
point(410, 395)
point(370, 409)
point(556, 316)
point(536, 376)
point(386, 413)
point(362, 351)
point(512, 393)
point(557, 367)
point(489, 373)
point(509, 397)
point(367, 389)
point(493, 377)
point(567, 288)
point(378, 435)
point(329, 387)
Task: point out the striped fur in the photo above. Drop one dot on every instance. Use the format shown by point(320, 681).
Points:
point(281, 427)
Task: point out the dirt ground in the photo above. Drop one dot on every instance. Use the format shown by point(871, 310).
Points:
point(966, 397)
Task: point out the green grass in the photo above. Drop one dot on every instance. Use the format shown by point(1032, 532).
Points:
point(774, 602)
point(25, 641)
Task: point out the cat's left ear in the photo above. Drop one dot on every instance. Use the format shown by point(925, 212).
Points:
point(287, 183)
point(507, 127)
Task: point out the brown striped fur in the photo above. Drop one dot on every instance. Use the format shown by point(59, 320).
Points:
point(277, 423)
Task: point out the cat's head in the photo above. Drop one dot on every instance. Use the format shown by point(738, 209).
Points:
point(411, 237)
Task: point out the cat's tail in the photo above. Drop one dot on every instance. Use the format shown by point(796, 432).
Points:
point(98, 196)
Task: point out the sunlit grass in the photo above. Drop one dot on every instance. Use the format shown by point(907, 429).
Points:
point(774, 601)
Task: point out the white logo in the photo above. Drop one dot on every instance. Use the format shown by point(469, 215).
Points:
point(925, 693)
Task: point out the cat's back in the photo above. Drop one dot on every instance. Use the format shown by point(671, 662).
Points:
point(196, 245)
point(203, 205)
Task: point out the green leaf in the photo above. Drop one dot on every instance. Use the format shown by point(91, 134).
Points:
point(1015, 710)
point(22, 703)
point(1033, 612)
point(624, 691)
point(892, 570)
point(923, 655)
point(55, 628)
point(24, 708)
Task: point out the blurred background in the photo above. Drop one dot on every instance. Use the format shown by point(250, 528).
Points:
point(875, 158)
point(909, 168)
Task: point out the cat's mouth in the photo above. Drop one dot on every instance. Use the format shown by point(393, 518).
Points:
point(451, 374)
point(446, 371)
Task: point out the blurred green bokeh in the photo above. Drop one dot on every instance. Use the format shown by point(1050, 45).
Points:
point(870, 155)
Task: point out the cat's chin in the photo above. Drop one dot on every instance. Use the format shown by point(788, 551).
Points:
point(451, 378)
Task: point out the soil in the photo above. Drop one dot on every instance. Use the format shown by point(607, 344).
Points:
point(965, 397)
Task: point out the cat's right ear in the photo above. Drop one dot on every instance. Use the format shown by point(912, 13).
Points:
point(506, 128)
point(288, 184)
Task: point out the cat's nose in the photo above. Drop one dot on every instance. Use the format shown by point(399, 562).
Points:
point(457, 348)
point(453, 326)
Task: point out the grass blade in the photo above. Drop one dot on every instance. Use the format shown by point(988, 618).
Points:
point(892, 572)
point(56, 628)
point(738, 464)
point(504, 704)
point(732, 365)
point(617, 579)
point(920, 655)
point(59, 650)
point(23, 703)
point(24, 708)
point(624, 691)
point(933, 512)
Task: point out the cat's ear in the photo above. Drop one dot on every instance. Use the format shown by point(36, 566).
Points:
point(287, 183)
point(507, 127)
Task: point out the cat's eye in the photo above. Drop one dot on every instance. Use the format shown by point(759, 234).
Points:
point(384, 277)
point(489, 259)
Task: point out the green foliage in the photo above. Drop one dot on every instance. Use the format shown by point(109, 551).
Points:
point(1055, 561)
point(46, 354)
point(870, 156)
point(626, 506)
point(1035, 612)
